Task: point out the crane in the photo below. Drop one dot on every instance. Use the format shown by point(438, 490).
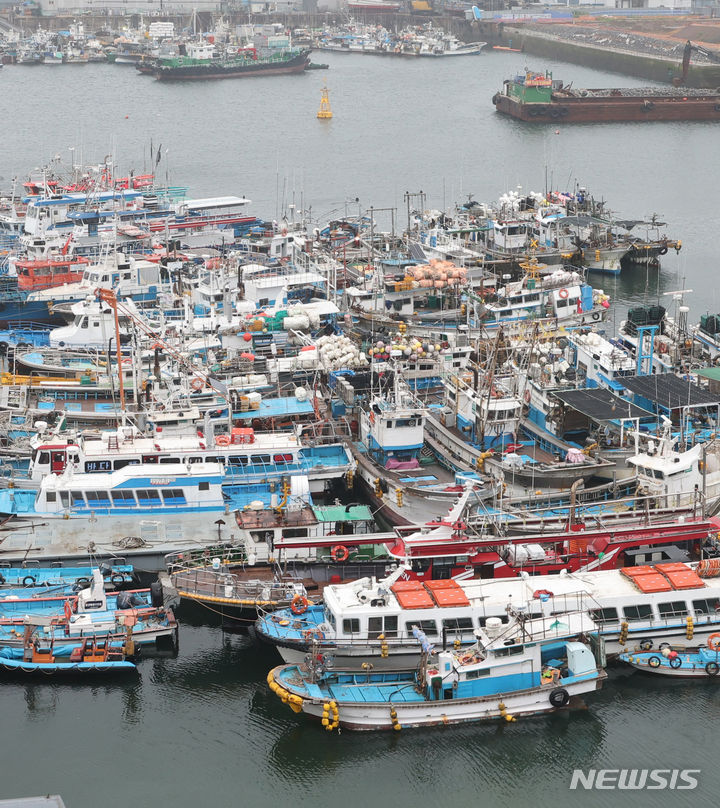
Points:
point(713, 56)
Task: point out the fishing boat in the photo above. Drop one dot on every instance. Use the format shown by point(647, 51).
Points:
point(201, 62)
point(523, 669)
point(91, 613)
point(43, 654)
point(694, 662)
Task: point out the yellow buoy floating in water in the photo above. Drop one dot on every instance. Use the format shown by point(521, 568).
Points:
point(324, 111)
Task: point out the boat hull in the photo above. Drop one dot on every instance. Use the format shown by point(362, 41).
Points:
point(613, 109)
point(199, 72)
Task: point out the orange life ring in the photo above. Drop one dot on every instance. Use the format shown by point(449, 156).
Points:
point(339, 553)
point(222, 440)
point(563, 293)
point(197, 383)
point(299, 604)
point(713, 642)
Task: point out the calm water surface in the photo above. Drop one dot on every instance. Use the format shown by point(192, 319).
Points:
point(203, 728)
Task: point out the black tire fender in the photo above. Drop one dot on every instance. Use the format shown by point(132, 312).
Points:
point(559, 697)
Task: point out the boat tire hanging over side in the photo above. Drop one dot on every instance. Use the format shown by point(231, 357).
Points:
point(559, 697)
point(29, 580)
point(712, 668)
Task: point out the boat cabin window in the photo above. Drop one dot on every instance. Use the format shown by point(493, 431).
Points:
point(120, 464)
point(295, 533)
point(150, 458)
point(260, 459)
point(44, 458)
point(84, 322)
point(672, 609)
point(511, 650)
point(238, 460)
point(173, 496)
point(427, 626)
point(351, 626)
point(608, 615)
point(376, 627)
point(123, 499)
point(50, 496)
point(195, 460)
point(458, 624)
point(706, 606)
point(642, 611)
point(98, 499)
point(77, 499)
point(477, 673)
point(170, 460)
point(203, 486)
point(64, 499)
point(148, 496)
point(404, 422)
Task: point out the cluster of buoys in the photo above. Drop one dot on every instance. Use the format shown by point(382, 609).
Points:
point(601, 299)
point(294, 702)
point(437, 274)
point(330, 708)
point(338, 352)
point(410, 349)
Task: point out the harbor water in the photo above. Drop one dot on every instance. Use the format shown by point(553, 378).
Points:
point(203, 728)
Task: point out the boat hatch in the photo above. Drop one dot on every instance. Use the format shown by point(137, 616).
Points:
point(652, 582)
point(687, 579)
point(414, 599)
point(447, 593)
point(406, 586)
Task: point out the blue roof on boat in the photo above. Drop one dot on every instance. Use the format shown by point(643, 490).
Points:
point(273, 407)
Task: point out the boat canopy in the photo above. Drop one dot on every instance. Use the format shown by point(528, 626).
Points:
point(670, 391)
point(601, 404)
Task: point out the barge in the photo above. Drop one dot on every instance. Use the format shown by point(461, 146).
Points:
point(540, 98)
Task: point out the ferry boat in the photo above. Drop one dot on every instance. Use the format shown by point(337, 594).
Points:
point(539, 98)
point(247, 456)
point(526, 668)
point(371, 621)
point(140, 511)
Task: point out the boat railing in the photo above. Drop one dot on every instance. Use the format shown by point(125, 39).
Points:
point(220, 583)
